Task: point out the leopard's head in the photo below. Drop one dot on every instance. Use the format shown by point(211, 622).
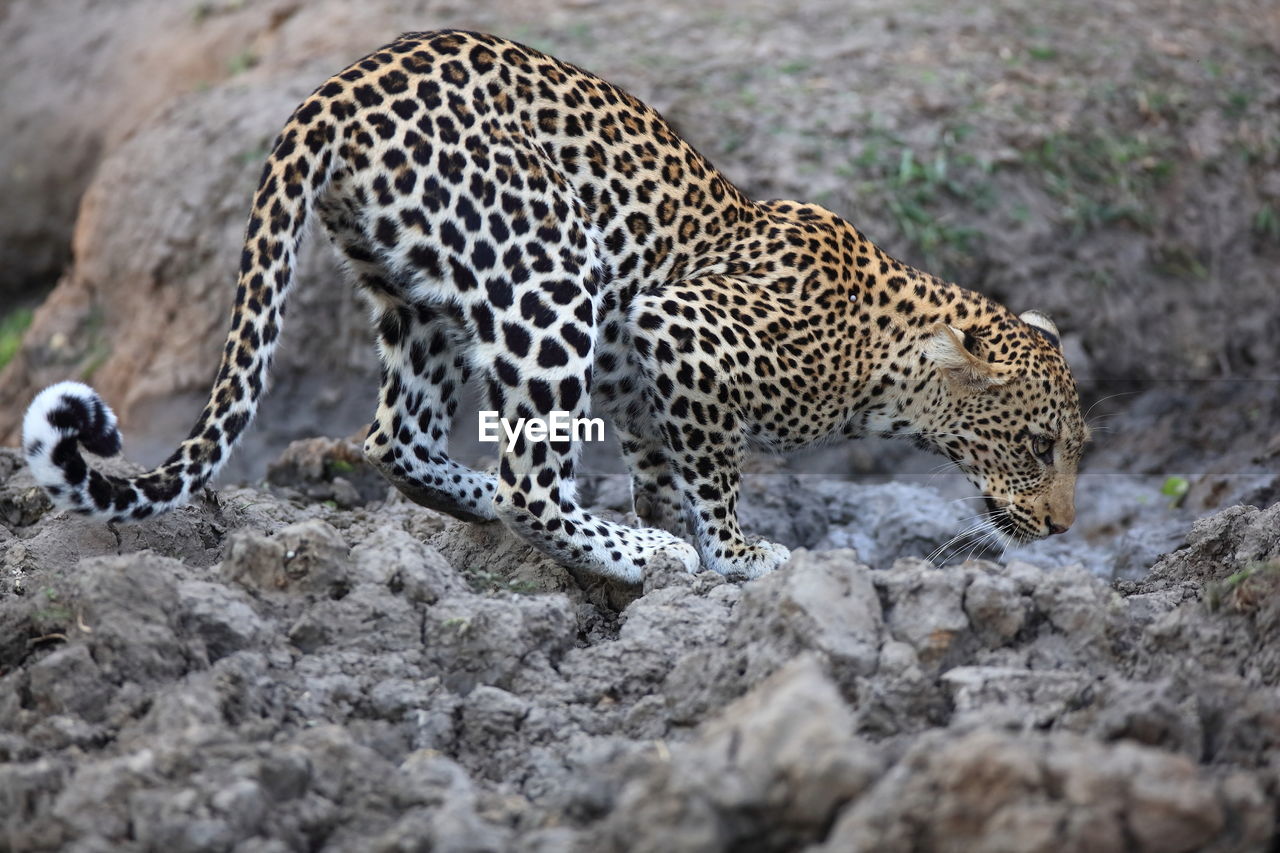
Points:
point(1007, 412)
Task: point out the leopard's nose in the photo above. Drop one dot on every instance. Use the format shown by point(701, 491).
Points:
point(1056, 528)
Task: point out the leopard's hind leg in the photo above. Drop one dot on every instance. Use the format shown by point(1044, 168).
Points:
point(654, 494)
point(424, 366)
point(536, 497)
point(532, 314)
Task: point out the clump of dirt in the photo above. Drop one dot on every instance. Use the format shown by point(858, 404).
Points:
point(268, 670)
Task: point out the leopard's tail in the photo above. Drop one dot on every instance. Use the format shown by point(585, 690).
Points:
point(69, 416)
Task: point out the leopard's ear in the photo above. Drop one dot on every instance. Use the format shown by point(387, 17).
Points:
point(947, 349)
point(1042, 324)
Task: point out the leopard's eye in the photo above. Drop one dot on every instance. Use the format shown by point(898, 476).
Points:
point(1042, 448)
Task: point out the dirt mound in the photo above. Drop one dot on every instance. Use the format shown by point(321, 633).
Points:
point(262, 672)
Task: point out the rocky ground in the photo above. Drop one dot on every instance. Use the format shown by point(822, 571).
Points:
point(310, 663)
point(1116, 164)
point(311, 666)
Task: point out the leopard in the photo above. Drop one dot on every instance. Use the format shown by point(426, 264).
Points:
point(519, 225)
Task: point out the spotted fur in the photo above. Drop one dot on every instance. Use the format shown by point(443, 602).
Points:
point(515, 219)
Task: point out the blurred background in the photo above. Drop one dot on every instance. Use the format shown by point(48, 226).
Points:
point(1115, 164)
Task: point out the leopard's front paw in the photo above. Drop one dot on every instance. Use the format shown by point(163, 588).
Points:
point(685, 554)
point(633, 551)
point(662, 542)
point(753, 560)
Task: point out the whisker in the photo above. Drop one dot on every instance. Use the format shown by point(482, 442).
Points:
point(978, 545)
point(1000, 539)
point(1105, 399)
point(1004, 552)
point(1102, 423)
point(959, 539)
point(941, 549)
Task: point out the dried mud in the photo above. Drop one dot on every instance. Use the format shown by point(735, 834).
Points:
point(266, 670)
